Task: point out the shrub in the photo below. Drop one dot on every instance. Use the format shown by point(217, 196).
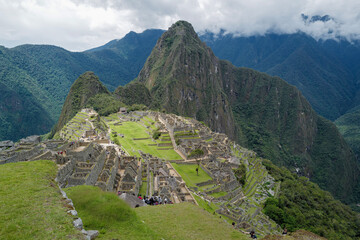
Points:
point(156, 135)
point(196, 153)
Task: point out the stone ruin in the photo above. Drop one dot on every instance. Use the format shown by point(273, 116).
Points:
point(129, 175)
point(165, 181)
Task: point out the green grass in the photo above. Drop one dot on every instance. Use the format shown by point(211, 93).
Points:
point(105, 212)
point(143, 188)
point(114, 219)
point(210, 207)
point(188, 173)
point(186, 221)
point(218, 194)
point(132, 130)
point(31, 205)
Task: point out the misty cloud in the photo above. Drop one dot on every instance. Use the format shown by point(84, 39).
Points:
point(82, 24)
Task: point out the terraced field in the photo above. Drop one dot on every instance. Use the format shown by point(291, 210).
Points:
point(135, 136)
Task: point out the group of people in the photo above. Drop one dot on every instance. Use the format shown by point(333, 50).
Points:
point(253, 236)
point(155, 200)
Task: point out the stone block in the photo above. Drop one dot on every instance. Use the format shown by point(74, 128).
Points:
point(78, 223)
point(92, 234)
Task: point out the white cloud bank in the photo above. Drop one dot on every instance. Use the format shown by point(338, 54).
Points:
point(83, 24)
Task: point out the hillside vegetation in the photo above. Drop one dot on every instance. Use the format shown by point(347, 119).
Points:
point(301, 204)
point(31, 205)
point(349, 126)
point(39, 77)
point(86, 87)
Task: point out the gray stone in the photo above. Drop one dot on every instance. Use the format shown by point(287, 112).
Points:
point(132, 200)
point(92, 234)
point(31, 139)
point(83, 231)
point(78, 223)
point(63, 193)
point(73, 212)
point(6, 144)
point(70, 202)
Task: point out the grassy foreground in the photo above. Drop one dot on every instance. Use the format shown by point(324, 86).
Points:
point(31, 206)
point(186, 221)
point(105, 212)
point(115, 220)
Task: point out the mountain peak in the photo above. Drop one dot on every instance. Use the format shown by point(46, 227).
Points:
point(180, 33)
point(182, 75)
point(86, 86)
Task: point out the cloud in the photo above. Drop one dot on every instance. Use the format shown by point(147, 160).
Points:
point(82, 24)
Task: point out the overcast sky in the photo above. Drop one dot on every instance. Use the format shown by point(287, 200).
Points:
point(82, 24)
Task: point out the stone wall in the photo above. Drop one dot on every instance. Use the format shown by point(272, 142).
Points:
point(83, 155)
point(95, 171)
point(111, 180)
point(229, 186)
point(65, 172)
point(205, 183)
point(24, 155)
point(207, 171)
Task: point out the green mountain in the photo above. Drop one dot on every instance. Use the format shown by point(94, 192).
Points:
point(349, 126)
point(40, 76)
point(326, 72)
point(182, 76)
point(268, 115)
point(86, 87)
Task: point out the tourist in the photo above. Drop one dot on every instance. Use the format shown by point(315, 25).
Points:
point(252, 235)
point(285, 231)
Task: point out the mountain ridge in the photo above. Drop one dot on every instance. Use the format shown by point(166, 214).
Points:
point(46, 73)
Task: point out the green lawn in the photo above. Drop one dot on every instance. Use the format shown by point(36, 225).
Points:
point(108, 214)
point(31, 206)
point(210, 207)
point(132, 130)
point(188, 173)
point(187, 221)
point(143, 188)
point(115, 220)
point(218, 194)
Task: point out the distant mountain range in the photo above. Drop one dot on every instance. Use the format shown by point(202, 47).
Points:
point(35, 79)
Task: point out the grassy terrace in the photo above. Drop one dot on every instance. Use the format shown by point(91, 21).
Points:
point(31, 205)
point(132, 130)
point(147, 121)
point(74, 124)
point(188, 173)
point(218, 194)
